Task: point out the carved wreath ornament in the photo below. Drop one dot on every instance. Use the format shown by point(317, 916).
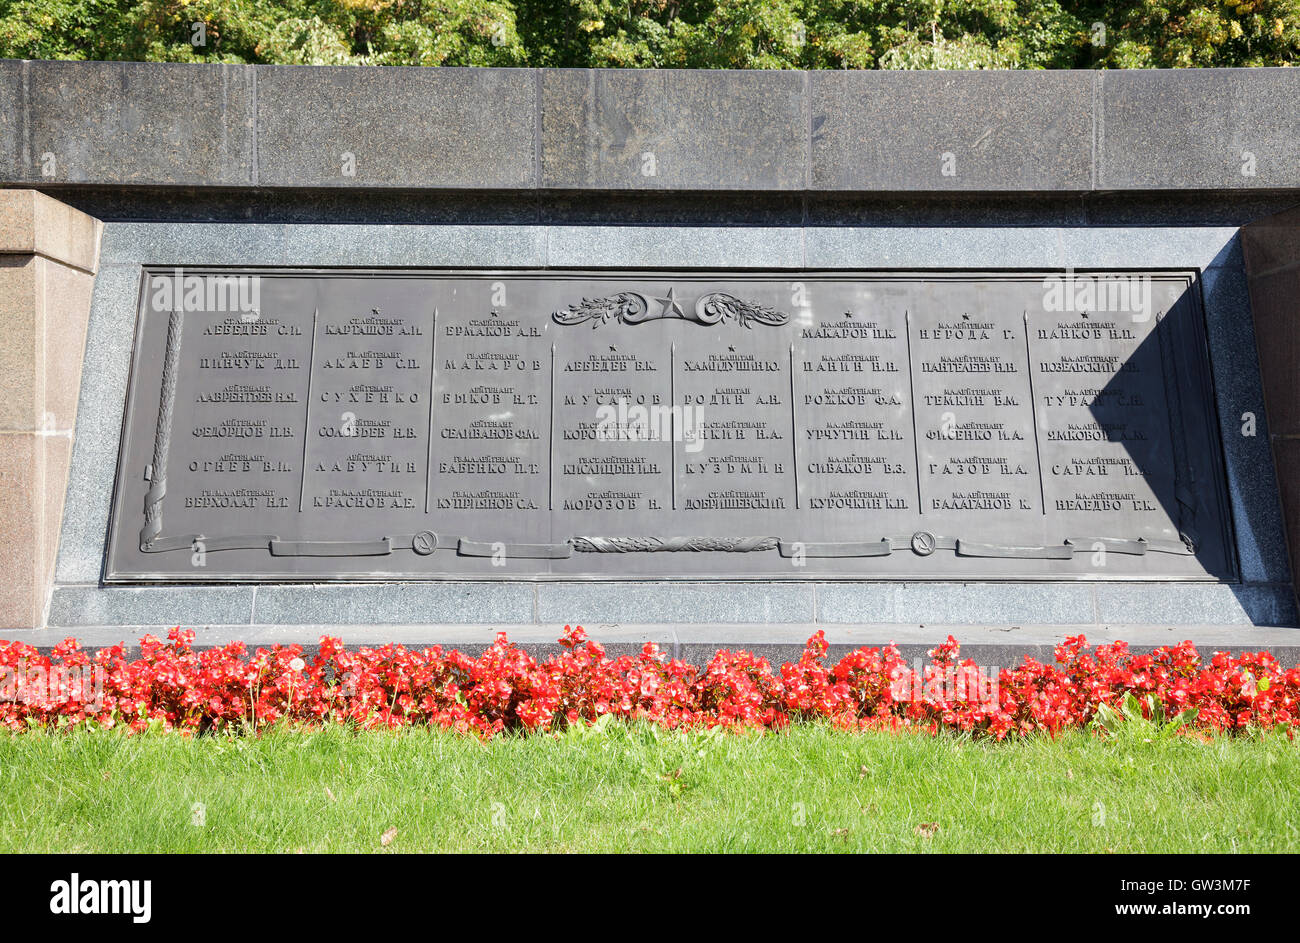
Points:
point(632, 307)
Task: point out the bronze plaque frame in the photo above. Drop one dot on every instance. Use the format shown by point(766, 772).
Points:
point(546, 424)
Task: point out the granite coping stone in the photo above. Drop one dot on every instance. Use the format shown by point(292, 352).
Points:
point(13, 130)
point(623, 130)
point(454, 128)
point(662, 129)
point(1175, 129)
point(137, 123)
point(941, 130)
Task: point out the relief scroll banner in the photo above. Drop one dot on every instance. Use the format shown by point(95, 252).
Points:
point(408, 425)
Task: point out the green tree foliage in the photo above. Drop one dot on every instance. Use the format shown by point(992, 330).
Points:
point(731, 34)
point(1180, 35)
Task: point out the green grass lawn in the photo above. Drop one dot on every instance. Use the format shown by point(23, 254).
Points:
point(641, 789)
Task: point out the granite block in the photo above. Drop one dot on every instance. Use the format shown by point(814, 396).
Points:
point(1027, 131)
point(432, 246)
point(955, 603)
point(1046, 247)
point(975, 131)
point(588, 603)
point(194, 244)
point(1179, 129)
point(138, 123)
point(1272, 243)
point(33, 469)
point(846, 247)
point(32, 222)
point(73, 606)
point(65, 304)
point(22, 343)
point(1196, 604)
point(1252, 483)
point(105, 366)
point(638, 129)
point(674, 247)
point(423, 603)
point(403, 127)
point(13, 133)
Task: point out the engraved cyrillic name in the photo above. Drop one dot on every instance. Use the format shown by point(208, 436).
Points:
point(369, 415)
point(975, 432)
point(613, 427)
point(853, 409)
point(739, 406)
point(237, 429)
point(1105, 439)
point(491, 435)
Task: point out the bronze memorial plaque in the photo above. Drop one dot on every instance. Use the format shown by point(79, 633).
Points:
point(395, 424)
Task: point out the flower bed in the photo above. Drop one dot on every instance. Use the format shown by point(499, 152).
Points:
point(171, 686)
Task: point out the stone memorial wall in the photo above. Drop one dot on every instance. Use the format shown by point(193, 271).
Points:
point(704, 358)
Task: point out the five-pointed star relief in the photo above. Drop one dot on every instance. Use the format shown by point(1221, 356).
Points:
point(671, 308)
